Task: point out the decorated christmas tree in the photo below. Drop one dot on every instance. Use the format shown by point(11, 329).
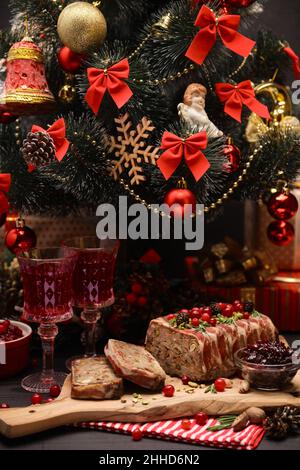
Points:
point(162, 101)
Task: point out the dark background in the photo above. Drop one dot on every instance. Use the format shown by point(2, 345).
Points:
point(282, 16)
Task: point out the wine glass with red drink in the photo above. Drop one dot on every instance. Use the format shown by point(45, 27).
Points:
point(92, 282)
point(47, 283)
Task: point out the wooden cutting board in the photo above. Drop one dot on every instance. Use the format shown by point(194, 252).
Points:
point(16, 422)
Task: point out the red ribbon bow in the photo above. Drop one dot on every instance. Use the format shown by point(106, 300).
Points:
point(234, 96)
point(5, 181)
point(111, 80)
point(296, 61)
point(176, 148)
point(226, 26)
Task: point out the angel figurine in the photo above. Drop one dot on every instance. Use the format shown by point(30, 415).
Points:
point(192, 110)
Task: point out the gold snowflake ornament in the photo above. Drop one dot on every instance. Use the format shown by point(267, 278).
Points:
point(130, 149)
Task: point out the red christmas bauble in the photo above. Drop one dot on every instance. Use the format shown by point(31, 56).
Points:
point(180, 197)
point(20, 239)
point(6, 117)
point(2, 218)
point(282, 206)
point(281, 233)
point(68, 60)
point(233, 154)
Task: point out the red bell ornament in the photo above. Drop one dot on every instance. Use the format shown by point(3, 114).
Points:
point(25, 90)
point(21, 238)
point(281, 233)
point(282, 205)
point(68, 60)
point(180, 197)
point(233, 155)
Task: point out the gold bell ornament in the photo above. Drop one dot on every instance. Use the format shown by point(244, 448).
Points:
point(25, 90)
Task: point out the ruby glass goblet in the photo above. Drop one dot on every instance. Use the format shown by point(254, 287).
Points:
point(92, 282)
point(47, 283)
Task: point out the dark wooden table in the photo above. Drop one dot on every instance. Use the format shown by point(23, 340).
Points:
point(69, 438)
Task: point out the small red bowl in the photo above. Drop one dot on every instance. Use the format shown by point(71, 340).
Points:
point(16, 352)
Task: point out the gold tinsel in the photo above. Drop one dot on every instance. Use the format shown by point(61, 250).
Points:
point(81, 27)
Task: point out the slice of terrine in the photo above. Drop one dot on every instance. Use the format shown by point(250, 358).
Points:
point(135, 364)
point(94, 379)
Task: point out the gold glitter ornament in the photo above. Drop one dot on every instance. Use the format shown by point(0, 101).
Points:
point(67, 93)
point(81, 27)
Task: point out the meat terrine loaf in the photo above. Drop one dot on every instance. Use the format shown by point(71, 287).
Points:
point(135, 364)
point(207, 353)
point(93, 378)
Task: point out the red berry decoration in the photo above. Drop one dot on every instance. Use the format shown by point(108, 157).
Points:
point(137, 434)
point(246, 315)
point(131, 299)
point(220, 385)
point(54, 391)
point(238, 306)
point(137, 288)
point(213, 321)
point(21, 238)
point(228, 311)
point(4, 405)
point(6, 117)
point(168, 390)
point(201, 418)
point(282, 206)
point(195, 322)
point(184, 311)
point(68, 60)
point(205, 317)
point(2, 329)
point(281, 233)
point(195, 313)
point(49, 400)
point(186, 424)
point(207, 310)
point(142, 301)
point(180, 197)
point(36, 399)
point(185, 379)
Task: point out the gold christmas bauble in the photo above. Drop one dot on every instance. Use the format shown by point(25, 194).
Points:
point(67, 94)
point(81, 27)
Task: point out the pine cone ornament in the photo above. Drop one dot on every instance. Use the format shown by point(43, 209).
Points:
point(182, 318)
point(284, 421)
point(38, 149)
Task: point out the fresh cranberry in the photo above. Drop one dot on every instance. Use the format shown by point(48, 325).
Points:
point(49, 400)
point(4, 405)
point(137, 434)
point(195, 313)
point(213, 321)
point(171, 316)
point(36, 399)
point(201, 418)
point(221, 305)
point(6, 323)
point(185, 379)
point(195, 322)
point(206, 317)
point(246, 315)
point(131, 298)
point(186, 424)
point(136, 288)
point(220, 385)
point(2, 329)
point(168, 390)
point(183, 310)
point(238, 306)
point(207, 310)
point(228, 311)
point(54, 391)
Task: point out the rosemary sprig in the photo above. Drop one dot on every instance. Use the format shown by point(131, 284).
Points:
point(211, 388)
point(224, 422)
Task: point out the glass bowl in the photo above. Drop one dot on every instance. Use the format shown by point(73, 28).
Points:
point(266, 377)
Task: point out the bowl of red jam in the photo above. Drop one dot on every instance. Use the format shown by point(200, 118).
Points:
point(15, 339)
point(268, 365)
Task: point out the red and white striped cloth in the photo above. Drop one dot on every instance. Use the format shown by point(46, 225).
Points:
point(248, 439)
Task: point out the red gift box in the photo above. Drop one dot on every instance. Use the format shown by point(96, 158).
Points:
point(279, 298)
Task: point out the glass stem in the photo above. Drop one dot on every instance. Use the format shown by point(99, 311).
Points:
point(90, 316)
point(47, 333)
